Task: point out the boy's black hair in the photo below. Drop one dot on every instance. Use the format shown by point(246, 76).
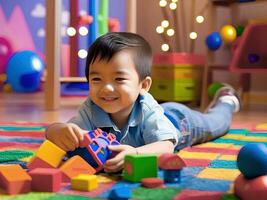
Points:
point(106, 46)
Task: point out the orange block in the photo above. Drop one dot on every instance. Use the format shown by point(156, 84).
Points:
point(75, 166)
point(14, 179)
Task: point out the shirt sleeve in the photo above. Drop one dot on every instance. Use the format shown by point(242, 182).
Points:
point(82, 119)
point(158, 127)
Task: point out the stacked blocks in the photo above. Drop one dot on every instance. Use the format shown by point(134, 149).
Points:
point(84, 182)
point(94, 149)
point(46, 180)
point(137, 167)
point(75, 166)
point(14, 180)
point(177, 76)
point(48, 156)
point(172, 165)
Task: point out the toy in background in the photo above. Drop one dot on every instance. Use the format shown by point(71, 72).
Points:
point(94, 148)
point(5, 53)
point(252, 162)
point(177, 76)
point(24, 71)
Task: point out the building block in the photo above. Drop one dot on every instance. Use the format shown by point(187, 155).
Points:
point(172, 176)
point(84, 182)
point(152, 183)
point(170, 161)
point(14, 179)
point(120, 193)
point(75, 166)
point(94, 149)
point(137, 167)
point(247, 189)
point(50, 153)
point(36, 162)
point(46, 180)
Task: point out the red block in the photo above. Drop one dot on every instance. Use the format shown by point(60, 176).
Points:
point(38, 163)
point(14, 179)
point(46, 180)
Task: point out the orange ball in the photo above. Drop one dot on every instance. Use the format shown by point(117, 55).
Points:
point(228, 33)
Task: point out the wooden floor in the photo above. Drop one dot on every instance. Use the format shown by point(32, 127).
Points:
point(30, 108)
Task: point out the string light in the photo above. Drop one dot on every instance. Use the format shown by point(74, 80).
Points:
point(165, 47)
point(170, 32)
point(200, 19)
point(162, 3)
point(159, 29)
point(83, 31)
point(71, 31)
point(165, 23)
point(82, 53)
point(193, 35)
point(173, 6)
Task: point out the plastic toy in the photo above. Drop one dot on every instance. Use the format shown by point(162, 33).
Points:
point(75, 166)
point(248, 189)
point(214, 41)
point(228, 33)
point(239, 30)
point(172, 165)
point(94, 148)
point(137, 167)
point(120, 193)
point(84, 182)
point(5, 53)
point(252, 160)
point(14, 179)
point(24, 71)
point(46, 180)
point(152, 183)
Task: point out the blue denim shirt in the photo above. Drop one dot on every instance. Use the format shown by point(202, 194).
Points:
point(147, 122)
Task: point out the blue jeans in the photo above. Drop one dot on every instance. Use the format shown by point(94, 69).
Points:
point(197, 127)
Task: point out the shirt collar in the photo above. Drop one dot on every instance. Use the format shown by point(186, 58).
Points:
point(101, 119)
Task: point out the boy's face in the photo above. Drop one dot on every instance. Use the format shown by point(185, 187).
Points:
point(115, 85)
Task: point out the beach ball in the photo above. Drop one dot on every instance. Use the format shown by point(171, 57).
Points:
point(252, 160)
point(214, 41)
point(24, 71)
point(228, 33)
point(5, 53)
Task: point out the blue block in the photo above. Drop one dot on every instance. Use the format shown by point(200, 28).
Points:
point(120, 193)
point(172, 176)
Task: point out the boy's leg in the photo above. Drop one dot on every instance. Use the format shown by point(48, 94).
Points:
point(214, 122)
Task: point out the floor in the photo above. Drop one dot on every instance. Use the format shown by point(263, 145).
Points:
point(30, 108)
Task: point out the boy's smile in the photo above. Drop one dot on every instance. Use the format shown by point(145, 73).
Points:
point(115, 85)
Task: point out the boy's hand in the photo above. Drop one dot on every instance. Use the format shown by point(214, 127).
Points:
point(66, 136)
point(116, 163)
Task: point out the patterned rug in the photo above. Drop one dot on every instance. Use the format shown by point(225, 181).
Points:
point(210, 172)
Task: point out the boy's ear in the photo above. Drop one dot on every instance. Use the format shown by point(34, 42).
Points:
point(146, 84)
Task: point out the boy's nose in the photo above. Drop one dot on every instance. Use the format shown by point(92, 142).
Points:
point(108, 87)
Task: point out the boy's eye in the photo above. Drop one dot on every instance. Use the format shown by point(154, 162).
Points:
point(96, 79)
point(120, 79)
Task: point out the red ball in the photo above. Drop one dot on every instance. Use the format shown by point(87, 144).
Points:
point(248, 189)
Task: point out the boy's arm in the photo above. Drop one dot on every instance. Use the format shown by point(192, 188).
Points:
point(160, 147)
point(115, 164)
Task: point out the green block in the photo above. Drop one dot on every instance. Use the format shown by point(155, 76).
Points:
point(137, 167)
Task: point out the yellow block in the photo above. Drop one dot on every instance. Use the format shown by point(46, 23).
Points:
point(221, 174)
point(261, 127)
point(50, 153)
point(215, 145)
point(198, 155)
point(84, 182)
point(228, 157)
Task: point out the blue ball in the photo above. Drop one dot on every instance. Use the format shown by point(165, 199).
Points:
point(24, 71)
point(252, 160)
point(214, 41)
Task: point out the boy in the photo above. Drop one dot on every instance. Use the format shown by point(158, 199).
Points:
point(118, 70)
